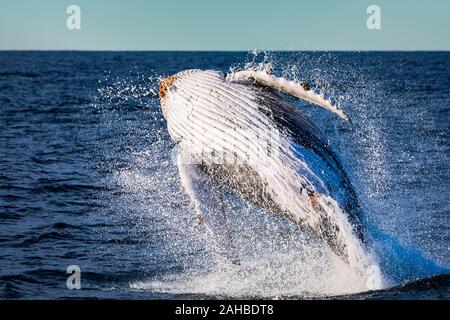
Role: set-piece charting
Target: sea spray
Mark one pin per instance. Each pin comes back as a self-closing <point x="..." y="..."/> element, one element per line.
<point x="398" y="262"/>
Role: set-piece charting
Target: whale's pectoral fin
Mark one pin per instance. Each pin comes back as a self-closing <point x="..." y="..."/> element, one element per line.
<point x="298" y="90"/>
<point x="208" y="201"/>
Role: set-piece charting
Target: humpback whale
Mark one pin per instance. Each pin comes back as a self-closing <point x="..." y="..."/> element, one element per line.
<point x="236" y="130"/>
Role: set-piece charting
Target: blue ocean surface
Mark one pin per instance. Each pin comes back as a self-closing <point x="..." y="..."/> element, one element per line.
<point x="87" y="178"/>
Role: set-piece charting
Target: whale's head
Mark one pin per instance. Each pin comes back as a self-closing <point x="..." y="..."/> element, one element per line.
<point x="168" y="88"/>
<point x="179" y="94"/>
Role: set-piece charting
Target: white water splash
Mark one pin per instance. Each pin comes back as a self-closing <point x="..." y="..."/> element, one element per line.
<point x="304" y="273"/>
<point x="278" y="259"/>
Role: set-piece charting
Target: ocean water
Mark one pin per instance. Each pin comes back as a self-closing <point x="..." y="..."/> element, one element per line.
<point x="87" y="178"/>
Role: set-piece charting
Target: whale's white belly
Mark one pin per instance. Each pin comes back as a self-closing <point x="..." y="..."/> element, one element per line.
<point x="222" y="125"/>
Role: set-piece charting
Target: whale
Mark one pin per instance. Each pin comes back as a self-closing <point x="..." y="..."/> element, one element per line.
<point x="238" y="131"/>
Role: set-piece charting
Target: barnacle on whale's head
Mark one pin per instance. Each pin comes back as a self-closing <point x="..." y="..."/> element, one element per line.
<point x="164" y="84"/>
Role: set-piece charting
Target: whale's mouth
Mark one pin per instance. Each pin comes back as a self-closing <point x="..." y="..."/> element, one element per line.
<point x="164" y="84"/>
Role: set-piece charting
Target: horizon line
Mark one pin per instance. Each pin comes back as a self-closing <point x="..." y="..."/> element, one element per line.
<point x="219" y="50"/>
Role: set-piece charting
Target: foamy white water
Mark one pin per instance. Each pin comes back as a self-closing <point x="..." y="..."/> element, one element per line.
<point x="278" y="258"/>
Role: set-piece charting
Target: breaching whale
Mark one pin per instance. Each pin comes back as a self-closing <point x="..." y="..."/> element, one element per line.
<point x="237" y="130"/>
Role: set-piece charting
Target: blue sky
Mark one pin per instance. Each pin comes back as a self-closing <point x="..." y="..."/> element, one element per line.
<point x="225" y="25"/>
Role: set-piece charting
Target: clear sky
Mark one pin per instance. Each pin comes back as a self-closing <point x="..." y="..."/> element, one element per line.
<point x="225" y="25"/>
